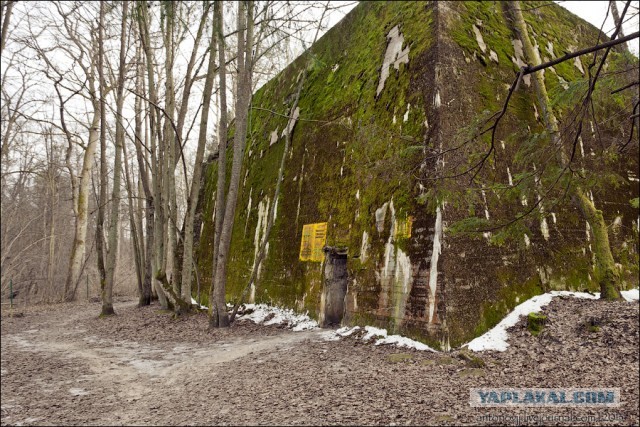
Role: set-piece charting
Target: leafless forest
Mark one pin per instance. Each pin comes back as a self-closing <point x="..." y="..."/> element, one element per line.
<point x="108" y="111"/>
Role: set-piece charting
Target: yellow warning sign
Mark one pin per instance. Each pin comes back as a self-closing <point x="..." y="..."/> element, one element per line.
<point x="403" y="228"/>
<point x="314" y="237"/>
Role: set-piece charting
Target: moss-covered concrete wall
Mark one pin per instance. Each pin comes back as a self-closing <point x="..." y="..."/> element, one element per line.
<point x="361" y="157"/>
<point x="487" y="275"/>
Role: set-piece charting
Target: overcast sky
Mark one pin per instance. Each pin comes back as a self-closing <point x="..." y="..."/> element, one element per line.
<point x="595" y="11"/>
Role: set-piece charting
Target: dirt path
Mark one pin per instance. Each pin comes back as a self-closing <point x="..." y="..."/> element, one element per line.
<point x="62" y="365"/>
<point x="84" y="369"/>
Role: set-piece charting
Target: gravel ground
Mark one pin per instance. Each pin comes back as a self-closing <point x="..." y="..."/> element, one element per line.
<point x="62" y="365"/>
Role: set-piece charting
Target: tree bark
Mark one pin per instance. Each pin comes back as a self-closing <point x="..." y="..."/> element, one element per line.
<point x="243" y="100"/>
<point x="271" y="215"/>
<point x="222" y="163"/>
<point x="146" y="255"/>
<point x="102" y="188"/>
<point x="137" y="238"/>
<point x="107" y="294"/>
<point x="187" y="258"/>
<point x="5" y="24"/>
<point x="81" y="203"/>
<point x="155" y="251"/>
<point x="169" y="189"/>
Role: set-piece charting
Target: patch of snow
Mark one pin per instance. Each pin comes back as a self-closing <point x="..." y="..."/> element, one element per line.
<point x="544" y="228"/>
<point x="400" y="341"/>
<point x="402" y="277"/>
<point x="384" y="338"/>
<point x="550" y="49"/>
<point x="261" y="230"/>
<point x="631" y="295"/>
<point x="277" y="316"/>
<point x="518" y="60"/>
<point x="380" y="215"/>
<point x="194" y="302"/>
<point x="330" y="336"/>
<point x="346" y="331"/>
<point x="496" y="338"/>
<point x="372" y="331"/>
<point x="617" y="222"/>
<point x="578" y="64"/>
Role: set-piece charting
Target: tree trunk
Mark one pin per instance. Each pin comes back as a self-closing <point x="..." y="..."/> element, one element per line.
<point x="220" y="317"/>
<point x="102" y="179"/>
<point x="222" y="162"/>
<point x="5" y="24"/>
<point x="187" y="258"/>
<point x="170" y="136"/>
<point x="155" y="211"/>
<point x="606" y="272"/>
<point x="138" y="251"/>
<point x="81" y="208"/>
<point x="107" y="294"/>
<point x="147" y="256"/>
<point x="271" y="215"/>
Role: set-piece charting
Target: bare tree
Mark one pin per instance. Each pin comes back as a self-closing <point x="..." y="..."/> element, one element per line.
<point x="194" y="193"/>
<point x="107" y="290"/>
<point x="288" y="131"/>
<point x="245" y="25"/>
<point x="222" y="163"/>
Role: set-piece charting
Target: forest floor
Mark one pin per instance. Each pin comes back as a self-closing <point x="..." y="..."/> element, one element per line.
<point x="62" y="365"/>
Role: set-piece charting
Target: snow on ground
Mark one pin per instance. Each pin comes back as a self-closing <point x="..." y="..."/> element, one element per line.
<point x="194" y="302"/>
<point x="631" y="295"/>
<point x="496" y="338"/>
<point x="382" y="337"/>
<point x="268" y="315"/>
